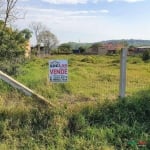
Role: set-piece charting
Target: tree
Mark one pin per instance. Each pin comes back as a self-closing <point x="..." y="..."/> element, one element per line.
<point x="37" y="28"/>
<point x="146" y="55"/>
<point x="82" y="49"/>
<point x="12" y="43"/>
<point x="12" y="48"/>
<point x="64" y="48"/>
<point x="1" y="4"/>
<point x="27" y="34"/>
<point x="96" y="45"/>
<point x="48" y="39"/>
<point x="9" y="12"/>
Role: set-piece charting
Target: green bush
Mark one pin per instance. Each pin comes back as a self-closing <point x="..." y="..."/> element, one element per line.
<point x="76" y="123"/>
<point x="146" y="55"/>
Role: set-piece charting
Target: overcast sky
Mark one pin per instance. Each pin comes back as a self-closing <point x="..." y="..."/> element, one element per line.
<point x="90" y="20"/>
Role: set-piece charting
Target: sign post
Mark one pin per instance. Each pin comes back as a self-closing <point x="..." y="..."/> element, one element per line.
<point x="58" y="71"/>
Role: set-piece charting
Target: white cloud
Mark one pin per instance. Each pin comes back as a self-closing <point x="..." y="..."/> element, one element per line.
<point x="24" y="0"/>
<point x="86" y="1"/>
<point x="104" y="11"/>
<point x="66" y="1"/>
<point x="129" y="1"/>
<point x="65" y="23"/>
<point x="133" y="1"/>
<point x="55" y="12"/>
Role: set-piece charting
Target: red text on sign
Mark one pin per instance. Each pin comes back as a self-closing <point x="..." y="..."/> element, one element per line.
<point x="58" y="71"/>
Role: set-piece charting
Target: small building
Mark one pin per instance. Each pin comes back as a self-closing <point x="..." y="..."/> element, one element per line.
<point x="100" y="50"/>
<point x="105" y="48"/>
<point x="39" y="50"/>
<point x="113" y="48"/>
<point x="141" y="49"/>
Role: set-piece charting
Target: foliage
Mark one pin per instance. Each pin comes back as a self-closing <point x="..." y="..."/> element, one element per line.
<point x="75" y="45"/>
<point x="118" y="122"/>
<point x="12" y="48"/>
<point x="43" y="37"/>
<point x="82" y="119"/>
<point x="131" y="48"/>
<point x="48" y="39"/>
<point x="90" y="77"/>
<point x="96" y="45"/>
<point x="82" y="49"/>
<point x="112" y="125"/>
<point x="36" y="28"/>
<point x="12" y="66"/>
<point x="64" y="48"/>
<point x="12" y="43"/>
<point x="9" y="12"/>
<point x="146" y="55"/>
<point x="26" y="33"/>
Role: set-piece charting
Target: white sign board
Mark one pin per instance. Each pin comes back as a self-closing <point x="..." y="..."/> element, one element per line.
<point x="58" y="70"/>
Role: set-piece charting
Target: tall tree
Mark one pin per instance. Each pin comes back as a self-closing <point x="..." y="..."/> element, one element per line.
<point x="37" y="27"/>
<point x="12" y="43"/>
<point x="48" y="39"/>
<point x="12" y="48"/>
<point x="9" y="11"/>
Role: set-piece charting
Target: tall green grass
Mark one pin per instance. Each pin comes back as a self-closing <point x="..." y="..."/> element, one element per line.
<point x="114" y="123"/>
<point x="88" y="115"/>
<point x="111" y="125"/>
<point x="92" y="78"/>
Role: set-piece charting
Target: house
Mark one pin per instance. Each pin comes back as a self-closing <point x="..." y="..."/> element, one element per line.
<point x="39" y="50"/>
<point x="105" y="48"/>
<point x="137" y="50"/>
<point x="102" y="50"/>
<point x="141" y="49"/>
<point x="97" y="49"/>
<point x="113" y="48"/>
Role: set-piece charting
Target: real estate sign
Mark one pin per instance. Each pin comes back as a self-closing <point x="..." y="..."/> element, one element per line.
<point x="58" y="70"/>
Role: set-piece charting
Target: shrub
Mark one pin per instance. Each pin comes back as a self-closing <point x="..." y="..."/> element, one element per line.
<point x="76" y="123"/>
<point x="146" y="55"/>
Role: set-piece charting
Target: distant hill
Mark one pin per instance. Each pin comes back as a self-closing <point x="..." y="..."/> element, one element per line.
<point x="133" y="42"/>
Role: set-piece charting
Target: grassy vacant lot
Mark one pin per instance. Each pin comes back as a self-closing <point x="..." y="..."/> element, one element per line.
<point x="91" y="78"/>
<point x="93" y="122"/>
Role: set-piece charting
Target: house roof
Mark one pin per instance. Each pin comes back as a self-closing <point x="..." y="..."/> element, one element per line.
<point x="113" y="46"/>
<point x="144" y="47"/>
